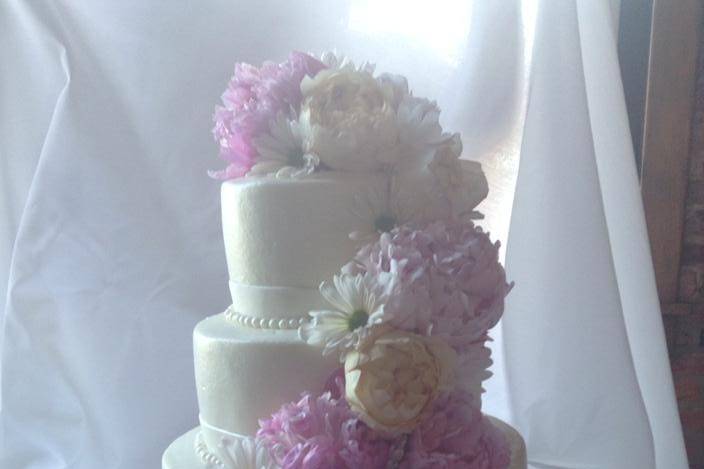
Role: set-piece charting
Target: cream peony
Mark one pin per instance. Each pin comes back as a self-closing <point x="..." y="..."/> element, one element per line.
<point x="393" y="381"/>
<point x="419" y="134"/>
<point x="348" y="118"/>
<point x="461" y="181"/>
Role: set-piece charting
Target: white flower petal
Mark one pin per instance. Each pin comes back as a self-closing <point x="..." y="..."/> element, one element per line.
<point x="264" y="167"/>
<point x="245" y="453"/>
<point x="274" y="150"/>
<point x="332" y="294"/>
<point x="349" y="294"/>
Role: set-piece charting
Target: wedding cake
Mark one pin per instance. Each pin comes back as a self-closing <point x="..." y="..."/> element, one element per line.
<point x="362" y="289"/>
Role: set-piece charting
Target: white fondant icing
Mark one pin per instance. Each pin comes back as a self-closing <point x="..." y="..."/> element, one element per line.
<point x="291" y="233"/>
<point x="270" y="301"/>
<point x="181" y="455"/>
<point x="221" y="431"/>
<point x="519" y="459"/>
<point x="244" y="374"/>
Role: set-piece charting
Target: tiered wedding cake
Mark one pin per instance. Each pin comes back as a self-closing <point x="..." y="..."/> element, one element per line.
<point x="362" y="290"/>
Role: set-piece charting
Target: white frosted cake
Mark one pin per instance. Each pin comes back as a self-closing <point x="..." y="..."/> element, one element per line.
<point x="362" y="291"/>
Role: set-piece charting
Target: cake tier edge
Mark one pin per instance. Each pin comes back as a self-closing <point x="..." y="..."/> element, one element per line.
<point x="185" y="453"/>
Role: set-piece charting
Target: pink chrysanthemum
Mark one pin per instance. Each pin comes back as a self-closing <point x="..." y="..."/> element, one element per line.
<point x="456" y="436"/>
<point x="320" y="432"/>
<point x="444" y="279"/>
<point x="254" y="97"/>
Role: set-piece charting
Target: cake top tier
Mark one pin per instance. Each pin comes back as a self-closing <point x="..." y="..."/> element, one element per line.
<point x="323" y="156"/>
<point x="283" y="237"/>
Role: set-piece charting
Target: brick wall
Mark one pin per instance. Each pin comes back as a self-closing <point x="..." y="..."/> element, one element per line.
<point x="684" y="320"/>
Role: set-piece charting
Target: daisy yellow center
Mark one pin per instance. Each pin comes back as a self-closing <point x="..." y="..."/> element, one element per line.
<point x="384" y="223"/>
<point x="295" y="158"/>
<point x="357" y="319"/>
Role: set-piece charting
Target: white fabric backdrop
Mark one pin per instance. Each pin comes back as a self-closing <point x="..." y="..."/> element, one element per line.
<point x="110" y="230"/>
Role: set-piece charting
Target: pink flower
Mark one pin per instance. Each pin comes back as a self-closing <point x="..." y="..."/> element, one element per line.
<point x="364" y="448"/>
<point x="335" y="383"/>
<point x="473" y="362"/>
<point x="252" y="100"/>
<point x="456" y="436"/>
<point x="320" y="432"/>
<point x="444" y="279"/>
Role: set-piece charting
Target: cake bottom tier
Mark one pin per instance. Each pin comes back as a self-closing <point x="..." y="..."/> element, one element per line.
<point x="189" y="452"/>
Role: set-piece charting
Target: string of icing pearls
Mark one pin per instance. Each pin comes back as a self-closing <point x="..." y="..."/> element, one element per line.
<point x="263" y="323"/>
<point x="208" y="458"/>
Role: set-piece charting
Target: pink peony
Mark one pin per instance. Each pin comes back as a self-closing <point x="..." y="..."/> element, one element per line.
<point x="252" y="100"/>
<point x="364" y="448"/>
<point x="335" y="384"/>
<point x="443" y="279"/>
<point x="456" y="436"/>
<point x="473" y="362"/>
<point x="320" y="432"/>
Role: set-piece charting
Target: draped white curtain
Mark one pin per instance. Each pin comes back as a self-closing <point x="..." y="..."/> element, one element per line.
<point x="110" y="242"/>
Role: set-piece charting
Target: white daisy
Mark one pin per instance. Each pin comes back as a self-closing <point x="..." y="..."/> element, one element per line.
<point x="281" y="151"/>
<point x="245" y="453"/>
<point x="358" y="306"/>
<point x="382" y="209"/>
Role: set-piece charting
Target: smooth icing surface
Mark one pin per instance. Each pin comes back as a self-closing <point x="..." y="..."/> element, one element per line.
<point x="244" y="374"/>
<point x="519" y="458"/>
<point x="187" y="453"/>
<point x="266" y="302"/>
<point x="291" y="232"/>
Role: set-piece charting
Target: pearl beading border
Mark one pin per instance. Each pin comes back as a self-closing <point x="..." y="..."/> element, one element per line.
<point x="206" y="457"/>
<point x="263" y="323"/>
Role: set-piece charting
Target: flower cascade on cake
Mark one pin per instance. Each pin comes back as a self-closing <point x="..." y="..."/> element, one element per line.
<point x="409" y="315"/>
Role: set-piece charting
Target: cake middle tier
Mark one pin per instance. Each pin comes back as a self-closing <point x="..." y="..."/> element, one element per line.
<point x="245" y="374"/>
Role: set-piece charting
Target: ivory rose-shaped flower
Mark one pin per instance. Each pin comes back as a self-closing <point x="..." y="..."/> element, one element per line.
<point x="393" y="381"/>
<point x="419" y="134"/>
<point x="348" y="118"/>
<point x="461" y="181"/>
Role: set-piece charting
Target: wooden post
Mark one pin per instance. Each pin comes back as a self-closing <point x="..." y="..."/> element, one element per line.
<point x="668" y="111"/>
